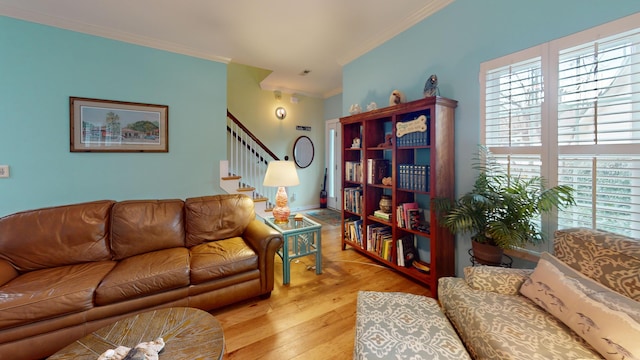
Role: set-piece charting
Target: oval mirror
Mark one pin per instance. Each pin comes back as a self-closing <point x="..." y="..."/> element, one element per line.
<point x="303" y="152"/>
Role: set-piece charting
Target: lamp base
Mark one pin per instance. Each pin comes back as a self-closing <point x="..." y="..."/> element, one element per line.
<point x="281" y="211"/>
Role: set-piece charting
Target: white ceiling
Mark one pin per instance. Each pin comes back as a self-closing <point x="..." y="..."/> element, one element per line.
<point x="282" y="36"/>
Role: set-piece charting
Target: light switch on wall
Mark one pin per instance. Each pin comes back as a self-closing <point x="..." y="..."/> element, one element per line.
<point x="4" y="171"/>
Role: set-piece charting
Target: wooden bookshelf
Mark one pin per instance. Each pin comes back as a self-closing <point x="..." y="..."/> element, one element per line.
<point x="421" y="166"/>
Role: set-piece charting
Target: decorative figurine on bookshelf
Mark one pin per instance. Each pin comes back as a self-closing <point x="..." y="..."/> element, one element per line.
<point x="355" y="144"/>
<point x="355" y="109"/>
<point x="431" y="86"/>
<point x="387" y="181"/>
<point x="372" y="106"/>
<point x="388" y="138"/>
<point x="397" y="97"/>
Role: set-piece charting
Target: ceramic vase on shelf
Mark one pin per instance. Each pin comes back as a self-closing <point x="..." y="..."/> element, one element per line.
<point x="385" y="204"/>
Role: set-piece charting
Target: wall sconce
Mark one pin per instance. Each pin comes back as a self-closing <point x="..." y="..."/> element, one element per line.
<point x="281" y="113"/>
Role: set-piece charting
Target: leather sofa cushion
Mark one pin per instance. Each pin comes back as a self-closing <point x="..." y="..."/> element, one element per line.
<point x="145" y="274"/>
<point x="48" y="293"/>
<point x="223" y="258"/>
<point x="56" y="236"/>
<point x="142" y="226"/>
<point x="217" y="217"/>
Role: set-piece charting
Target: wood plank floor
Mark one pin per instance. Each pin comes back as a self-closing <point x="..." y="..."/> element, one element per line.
<point x="314" y="316"/>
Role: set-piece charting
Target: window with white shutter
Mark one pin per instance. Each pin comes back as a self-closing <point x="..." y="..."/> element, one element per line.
<point x="569" y="110"/>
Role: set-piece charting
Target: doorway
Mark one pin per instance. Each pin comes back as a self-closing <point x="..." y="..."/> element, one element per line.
<point x="333" y="156"/>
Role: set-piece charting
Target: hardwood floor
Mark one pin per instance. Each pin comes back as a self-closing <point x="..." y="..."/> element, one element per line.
<point x="314" y="316"/>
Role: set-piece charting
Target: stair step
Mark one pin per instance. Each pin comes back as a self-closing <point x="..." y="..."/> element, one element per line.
<point x="231" y="177"/>
<point x="246" y="189"/>
<point x="260" y="199"/>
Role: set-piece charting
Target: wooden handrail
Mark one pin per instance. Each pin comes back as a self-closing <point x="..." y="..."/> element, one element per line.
<point x="253" y="137"/>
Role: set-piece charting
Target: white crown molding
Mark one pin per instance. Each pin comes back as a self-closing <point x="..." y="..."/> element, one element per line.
<point x="331" y="93"/>
<point x="270" y="87"/>
<point x="36" y="17"/>
<point x="431" y="8"/>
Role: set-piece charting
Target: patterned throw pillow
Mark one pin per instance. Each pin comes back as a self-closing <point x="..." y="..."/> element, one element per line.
<point x="496" y="279"/>
<point x="607" y="320"/>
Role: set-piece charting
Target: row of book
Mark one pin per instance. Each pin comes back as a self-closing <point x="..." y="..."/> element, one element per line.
<point x="380" y="240"/>
<point x="353" y="230"/>
<point x="414" y="177"/>
<point x="352" y="199"/>
<point x="353" y="171"/>
<point x="408" y="215"/>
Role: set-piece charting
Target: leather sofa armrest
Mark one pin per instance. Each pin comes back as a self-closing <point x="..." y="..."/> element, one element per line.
<point x="265" y="241"/>
<point x="7" y="272"/>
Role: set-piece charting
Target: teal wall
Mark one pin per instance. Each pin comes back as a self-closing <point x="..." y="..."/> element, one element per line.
<point x="41" y="67"/>
<point x="333" y="107"/>
<point x="452" y="43"/>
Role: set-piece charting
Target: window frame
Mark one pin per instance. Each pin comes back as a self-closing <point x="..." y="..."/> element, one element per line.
<point x="549" y="149"/>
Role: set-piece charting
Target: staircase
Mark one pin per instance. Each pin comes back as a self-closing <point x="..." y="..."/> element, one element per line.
<point x="246" y="165"/>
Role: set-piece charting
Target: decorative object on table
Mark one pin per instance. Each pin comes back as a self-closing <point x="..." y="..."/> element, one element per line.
<point x="397" y="97"/>
<point x="118" y="126"/>
<point x="303" y="152"/>
<point x="431" y="86"/>
<point x="355" y="109"/>
<point x="280" y="174"/>
<point x="355" y="144"/>
<point x="501" y="209"/>
<point x="385" y="203"/>
<point x="143" y="351"/>
<point x="372" y="106"/>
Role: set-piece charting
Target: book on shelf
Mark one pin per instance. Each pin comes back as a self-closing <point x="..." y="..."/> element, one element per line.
<point x="353" y="230"/>
<point x="353" y="171"/>
<point x="382" y="215"/>
<point x="421" y="266"/>
<point x="352" y="199"/>
<point x="377" y="169"/>
<point x="414" y="177"/>
<point x="402" y="214"/>
<point x="376" y="236"/>
<point x="413" y="219"/>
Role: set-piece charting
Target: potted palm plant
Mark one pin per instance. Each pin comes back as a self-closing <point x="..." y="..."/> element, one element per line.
<point x="500" y="211"/>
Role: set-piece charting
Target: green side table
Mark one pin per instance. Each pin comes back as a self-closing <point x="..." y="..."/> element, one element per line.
<point x="301" y="238"/>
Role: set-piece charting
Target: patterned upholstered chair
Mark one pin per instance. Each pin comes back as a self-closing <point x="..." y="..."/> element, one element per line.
<point x="580" y="303"/>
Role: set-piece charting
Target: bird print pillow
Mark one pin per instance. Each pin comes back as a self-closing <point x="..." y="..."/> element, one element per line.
<point x="610" y="329"/>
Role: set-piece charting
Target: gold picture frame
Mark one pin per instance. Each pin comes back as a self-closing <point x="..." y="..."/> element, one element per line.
<point x="118" y="126"/>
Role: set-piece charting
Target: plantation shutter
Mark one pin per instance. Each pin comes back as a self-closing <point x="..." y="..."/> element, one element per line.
<point x="513" y="99"/>
<point x="599" y="132"/>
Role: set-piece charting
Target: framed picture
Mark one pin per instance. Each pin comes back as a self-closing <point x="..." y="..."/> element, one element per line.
<point x="118" y="126"/>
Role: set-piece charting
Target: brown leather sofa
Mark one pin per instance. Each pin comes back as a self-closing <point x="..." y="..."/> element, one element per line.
<point x="66" y="271"/>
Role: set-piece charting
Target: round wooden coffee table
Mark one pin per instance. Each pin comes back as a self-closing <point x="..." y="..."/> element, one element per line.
<point x="188" y="334"/>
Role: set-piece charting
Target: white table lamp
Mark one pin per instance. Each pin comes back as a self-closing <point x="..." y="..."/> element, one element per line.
<point x="280" y="174"/>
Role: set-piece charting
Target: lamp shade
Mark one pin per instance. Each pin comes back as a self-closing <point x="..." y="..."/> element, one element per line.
<point x="281" y="173"/>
